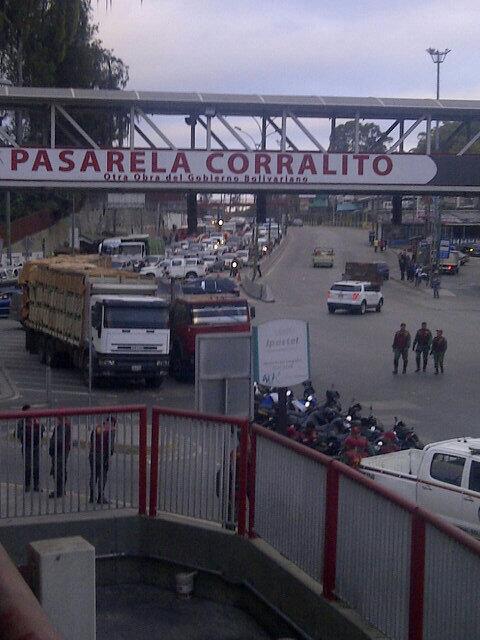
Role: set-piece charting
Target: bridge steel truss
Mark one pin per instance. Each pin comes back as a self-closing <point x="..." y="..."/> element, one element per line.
<point x="209" y="122"/>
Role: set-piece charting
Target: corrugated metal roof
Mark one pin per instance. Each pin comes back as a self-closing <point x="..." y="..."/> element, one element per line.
<point x="245" y="104"/>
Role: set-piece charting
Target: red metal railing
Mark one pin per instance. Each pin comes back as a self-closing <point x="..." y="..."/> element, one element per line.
<point x="207" y="456"/>
<point x="120" y="471"/>
<point x="419" y="520"/>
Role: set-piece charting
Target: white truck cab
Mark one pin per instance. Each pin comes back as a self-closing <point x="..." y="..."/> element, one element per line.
<point x="130" y="336"/>
<point x="444" y="477"/>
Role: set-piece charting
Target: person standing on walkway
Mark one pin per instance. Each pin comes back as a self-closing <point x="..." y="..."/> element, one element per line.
<point x="102" y="441"/>
<point x="29" y="432"/>
<point x="435" y="283"/>
<point x="439" y="347"/>
<point x="402" y="263"/>
<point x="422" y="345"/>
<point x="400" y="346"/>
<point x="59" y="450"/>
<point x="376" y="242"/>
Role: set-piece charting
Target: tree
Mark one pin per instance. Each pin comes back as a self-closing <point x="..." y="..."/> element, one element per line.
<point x="53" y="43"/>
<point x="453" y="137"/>
<point x="343" y="138"/>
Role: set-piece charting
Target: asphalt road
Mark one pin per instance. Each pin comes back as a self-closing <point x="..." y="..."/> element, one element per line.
<point x="23" y="379"/>
<point x="353" y="353"/>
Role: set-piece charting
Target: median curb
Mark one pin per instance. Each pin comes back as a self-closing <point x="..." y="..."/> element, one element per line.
<point x="257" y="290"/>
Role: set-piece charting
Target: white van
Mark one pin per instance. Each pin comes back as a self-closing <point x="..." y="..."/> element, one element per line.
<point x="185" y="268"/>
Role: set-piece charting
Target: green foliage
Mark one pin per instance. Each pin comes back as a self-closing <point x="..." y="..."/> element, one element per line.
<point x="343" y="138"/>
<point x="53" y="43"/>
<point x="452" y="138"/>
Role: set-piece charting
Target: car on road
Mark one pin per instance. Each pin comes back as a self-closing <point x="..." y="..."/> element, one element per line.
<point x="154" y="269"/>
<point x="354" y="296"/>
<point x="210" y="285"/>
<point x="383" y="270"/>
<point x="450" y="265"/>
<point x="5" y="301"/>
<point x="323" y="257"/>
<point x="185" y="268"/>
<point x="297" y="222"/>
<point x="471" y="249"/>
<point x="463" y="258"/>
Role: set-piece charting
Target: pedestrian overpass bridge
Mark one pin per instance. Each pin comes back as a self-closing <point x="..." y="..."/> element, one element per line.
<point x="200" y="142"/>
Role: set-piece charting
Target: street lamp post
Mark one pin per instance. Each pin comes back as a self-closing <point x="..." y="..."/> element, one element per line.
<point x="438" y="57"/>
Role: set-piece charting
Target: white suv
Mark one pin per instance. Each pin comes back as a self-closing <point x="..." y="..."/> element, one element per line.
<point x="354" y="296"/>
<point x="185" y="268"/>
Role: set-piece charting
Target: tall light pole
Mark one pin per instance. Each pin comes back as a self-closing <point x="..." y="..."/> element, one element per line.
<point x="437" y="57"/>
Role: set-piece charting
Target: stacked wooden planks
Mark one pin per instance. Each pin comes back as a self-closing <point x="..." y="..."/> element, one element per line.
<point x="54" y="292"/>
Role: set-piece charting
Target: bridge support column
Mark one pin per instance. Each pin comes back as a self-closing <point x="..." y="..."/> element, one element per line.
<point x="192" y="212"/>
<point x="397" y="210"/>
<point x="261" y="206"/>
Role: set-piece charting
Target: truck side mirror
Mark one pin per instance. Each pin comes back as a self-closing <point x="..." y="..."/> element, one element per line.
<point x="252" y="312"/>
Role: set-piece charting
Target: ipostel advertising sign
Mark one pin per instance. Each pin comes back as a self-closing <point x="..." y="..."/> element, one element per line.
<point x="281" y="353"/>
<point x="213" y="169"/>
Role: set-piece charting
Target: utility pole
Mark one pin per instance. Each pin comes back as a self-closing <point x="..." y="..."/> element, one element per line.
<point x="8" y="214"/>
<point x="72" y="230"/>
<point x="438" y="57"/>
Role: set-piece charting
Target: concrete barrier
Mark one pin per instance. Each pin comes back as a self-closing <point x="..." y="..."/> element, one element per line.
<point x="256" y="290"/>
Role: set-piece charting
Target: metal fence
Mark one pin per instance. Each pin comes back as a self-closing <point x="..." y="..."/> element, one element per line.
<point x="373" y="534"/>
<point x="406" y="571"/>
<point x="72" y="460"/>
<point x="198" y="466"/>
<point x="289" y="504"/>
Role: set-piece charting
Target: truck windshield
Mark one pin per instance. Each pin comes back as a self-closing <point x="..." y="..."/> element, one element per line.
<point x="220" y="314"/>
<point x="124" y="317"/>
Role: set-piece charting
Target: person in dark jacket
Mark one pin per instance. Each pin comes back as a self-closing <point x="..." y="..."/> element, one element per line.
<point x="402" y="263"/>
<point x="400" y="346"/>
<point x="59" y="450"/>
<point x="30" y="432"/>
<point x="102" y="441"/>
<point x="439" y="347"/>
<point x="422" y="345"/>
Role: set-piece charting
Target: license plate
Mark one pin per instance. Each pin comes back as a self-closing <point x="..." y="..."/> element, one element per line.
<point x="136" y="367"/>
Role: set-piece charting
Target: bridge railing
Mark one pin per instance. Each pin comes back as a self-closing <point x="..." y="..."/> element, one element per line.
<point x="406" y="571"/>
<point x="59" y="461"/>
<point x="198" y="467"/>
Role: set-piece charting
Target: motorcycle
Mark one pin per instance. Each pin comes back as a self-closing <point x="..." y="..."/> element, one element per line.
<point x="407" y="437"/>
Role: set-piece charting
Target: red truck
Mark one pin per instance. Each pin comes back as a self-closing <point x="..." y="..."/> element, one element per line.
<point x="194" y="314"/>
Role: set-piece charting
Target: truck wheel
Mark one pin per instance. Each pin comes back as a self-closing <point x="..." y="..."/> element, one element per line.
<point x="31" y="343"/>
<point x="379" y="306"/>
<point x="176" y="364"/>
<point x="363" y="308"/>
<point x="191" y="274"/>
<point x="331" y="308"/>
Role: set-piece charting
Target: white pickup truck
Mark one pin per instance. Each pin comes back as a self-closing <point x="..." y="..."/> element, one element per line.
<point x="444" y="478"/>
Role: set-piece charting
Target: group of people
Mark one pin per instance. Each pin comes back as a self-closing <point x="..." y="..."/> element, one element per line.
<point x="424" y="345"/>
<point x="414" y="272"/>
<point x="376" y="243"/>
<point x="30" y="432"/>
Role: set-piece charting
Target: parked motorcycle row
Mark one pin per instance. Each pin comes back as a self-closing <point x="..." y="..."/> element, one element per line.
<point x="322" y="425"/>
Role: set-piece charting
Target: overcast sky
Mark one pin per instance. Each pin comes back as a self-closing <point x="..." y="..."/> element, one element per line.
<point x="325" y="47"/>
